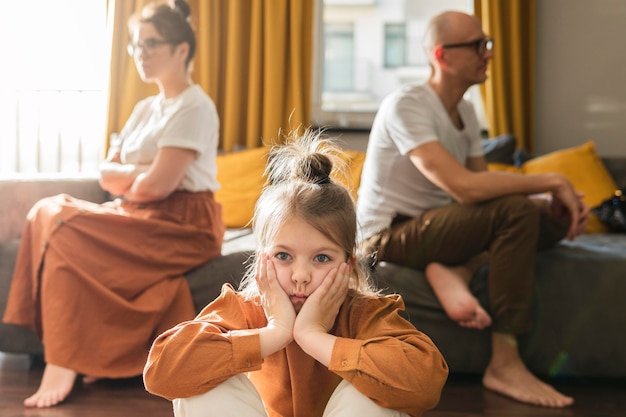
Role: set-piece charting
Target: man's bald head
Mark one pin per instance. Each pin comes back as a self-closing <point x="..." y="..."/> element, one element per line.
<point x="449" y="27"/>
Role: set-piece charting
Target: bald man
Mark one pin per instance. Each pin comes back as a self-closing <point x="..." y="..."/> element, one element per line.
<point x="428" y="202"/>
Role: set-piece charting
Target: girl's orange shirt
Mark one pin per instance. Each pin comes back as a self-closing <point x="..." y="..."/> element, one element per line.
<point x="378" y="351"/>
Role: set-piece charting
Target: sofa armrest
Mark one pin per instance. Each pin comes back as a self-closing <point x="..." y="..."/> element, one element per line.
<point x="20" y="193"/>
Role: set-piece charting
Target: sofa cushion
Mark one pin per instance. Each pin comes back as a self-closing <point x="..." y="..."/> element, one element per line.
<point x="351" y="179"/>
<point x="500" y="149"/>
<point x="582" y="166"/>
<point x="577" y="311"/>
<point x="240" y="175"/>
<point x="205" y="282"/>
<point x="13" y="338"/>
<point x="505" y="168"/>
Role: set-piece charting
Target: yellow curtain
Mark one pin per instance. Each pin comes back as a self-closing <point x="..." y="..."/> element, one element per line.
<point x="253" y="58"/>
<point x="125" y="85"/>
<point x="509" y="91"/>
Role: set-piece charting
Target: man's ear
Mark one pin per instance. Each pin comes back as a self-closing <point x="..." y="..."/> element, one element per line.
<point x="438" y="53"/>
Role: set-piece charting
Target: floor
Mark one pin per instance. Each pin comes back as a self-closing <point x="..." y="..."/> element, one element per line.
<point x="463" y="396"/>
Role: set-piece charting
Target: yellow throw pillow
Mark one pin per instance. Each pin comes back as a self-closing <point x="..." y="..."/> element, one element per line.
<point x="240" y="175"/>
<point x="586" y="171"/>
<point x="351" y="179"/>
<point x="496" y="166"/>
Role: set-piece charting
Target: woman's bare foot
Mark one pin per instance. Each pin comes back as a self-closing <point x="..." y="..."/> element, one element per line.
<point x="451" y="286"/>
<point x="89" y="379"/>
<point x="506" y="374"/>
<point x="56" y="384"/>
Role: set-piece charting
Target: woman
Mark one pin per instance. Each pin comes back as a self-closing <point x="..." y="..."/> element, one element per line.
<point x="97" y="282"/>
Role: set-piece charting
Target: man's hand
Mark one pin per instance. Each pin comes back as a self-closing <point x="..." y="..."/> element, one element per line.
<point x="576" y="212"/>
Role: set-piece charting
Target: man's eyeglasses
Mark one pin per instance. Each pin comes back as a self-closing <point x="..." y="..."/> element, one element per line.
<point x="480" y="45"/>
<point x="148" y="46"/>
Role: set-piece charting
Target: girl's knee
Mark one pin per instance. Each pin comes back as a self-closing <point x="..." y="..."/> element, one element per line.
<point x="235" y="397"/>
<point x="347" y="401"/>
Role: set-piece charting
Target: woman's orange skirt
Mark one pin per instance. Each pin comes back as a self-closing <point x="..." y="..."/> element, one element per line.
<point x="97" y="282"/>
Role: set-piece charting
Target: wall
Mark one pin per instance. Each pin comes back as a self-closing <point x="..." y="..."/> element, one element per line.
<point x="581" y="75"/>
<point x="580" y="88"/>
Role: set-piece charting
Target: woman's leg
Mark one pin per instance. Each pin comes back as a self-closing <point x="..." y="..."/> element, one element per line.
<point x="347" y="401"/>
<point x="235" y="397"/>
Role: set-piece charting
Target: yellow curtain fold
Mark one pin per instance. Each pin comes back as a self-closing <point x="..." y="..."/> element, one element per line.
<point x="253" y="59"/>
<point x="125" y="85"/>
<point x="509" y="91"/>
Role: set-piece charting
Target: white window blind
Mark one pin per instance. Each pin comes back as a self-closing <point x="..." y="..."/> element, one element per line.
<point x="53" y="83"/>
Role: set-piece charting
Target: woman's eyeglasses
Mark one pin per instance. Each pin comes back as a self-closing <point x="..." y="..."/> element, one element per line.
<point x="148" y="46"/>
<point x="480" y="45"/>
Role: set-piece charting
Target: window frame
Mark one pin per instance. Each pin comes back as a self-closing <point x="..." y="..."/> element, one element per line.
<point x="333" y="115"/>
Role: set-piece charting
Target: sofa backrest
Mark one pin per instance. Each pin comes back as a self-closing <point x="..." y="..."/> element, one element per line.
<point x="617" y="168"/>
<point x="19" y="194"/>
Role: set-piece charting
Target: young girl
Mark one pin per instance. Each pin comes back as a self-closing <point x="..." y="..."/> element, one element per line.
<point x="306" y="335"/>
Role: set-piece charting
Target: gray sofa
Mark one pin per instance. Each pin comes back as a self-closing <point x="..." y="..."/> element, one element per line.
<point x="580" y="291"/>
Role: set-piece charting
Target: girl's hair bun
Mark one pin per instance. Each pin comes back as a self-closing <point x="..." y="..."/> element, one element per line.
<point x="308" y="157"/>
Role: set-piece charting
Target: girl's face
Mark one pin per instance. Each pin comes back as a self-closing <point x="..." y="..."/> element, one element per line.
<point x="302" y="257"/>
<point x="154" y="56"/>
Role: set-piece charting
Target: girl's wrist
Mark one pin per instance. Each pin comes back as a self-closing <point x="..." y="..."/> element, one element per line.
<point x="274" y="338"/>
<point x="305" y="335"/>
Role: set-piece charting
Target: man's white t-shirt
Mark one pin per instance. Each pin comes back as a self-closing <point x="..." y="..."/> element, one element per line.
<point x="187" y="121"/>
<point x="390" y="183"/>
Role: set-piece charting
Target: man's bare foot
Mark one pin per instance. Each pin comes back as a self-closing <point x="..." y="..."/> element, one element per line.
<point x="451" y="286"/>
<point x="506" y="374"/>
<point x="56" y="384"/>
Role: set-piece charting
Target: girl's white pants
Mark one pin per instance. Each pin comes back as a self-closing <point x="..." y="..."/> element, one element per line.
<point x="238" y="397"/>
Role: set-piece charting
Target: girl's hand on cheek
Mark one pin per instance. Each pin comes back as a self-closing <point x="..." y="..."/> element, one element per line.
<point x="320" y="310"/>
<point x="276" y="303"/>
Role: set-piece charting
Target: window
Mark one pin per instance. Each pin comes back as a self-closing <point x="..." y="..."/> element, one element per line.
<point x="395" y="45"/>
<point x="338" y="58"/>
<point x="53" y="83"/>
<point x="368" y="48"/>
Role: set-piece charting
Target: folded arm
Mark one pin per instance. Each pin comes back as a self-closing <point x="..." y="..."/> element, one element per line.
<point x="145" y="183"/>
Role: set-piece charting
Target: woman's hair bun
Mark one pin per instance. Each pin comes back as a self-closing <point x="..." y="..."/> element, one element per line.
<point x="182" y="7"/>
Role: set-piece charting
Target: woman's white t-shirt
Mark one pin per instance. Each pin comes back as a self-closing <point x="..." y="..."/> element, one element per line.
<point x="187" y="121"/>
